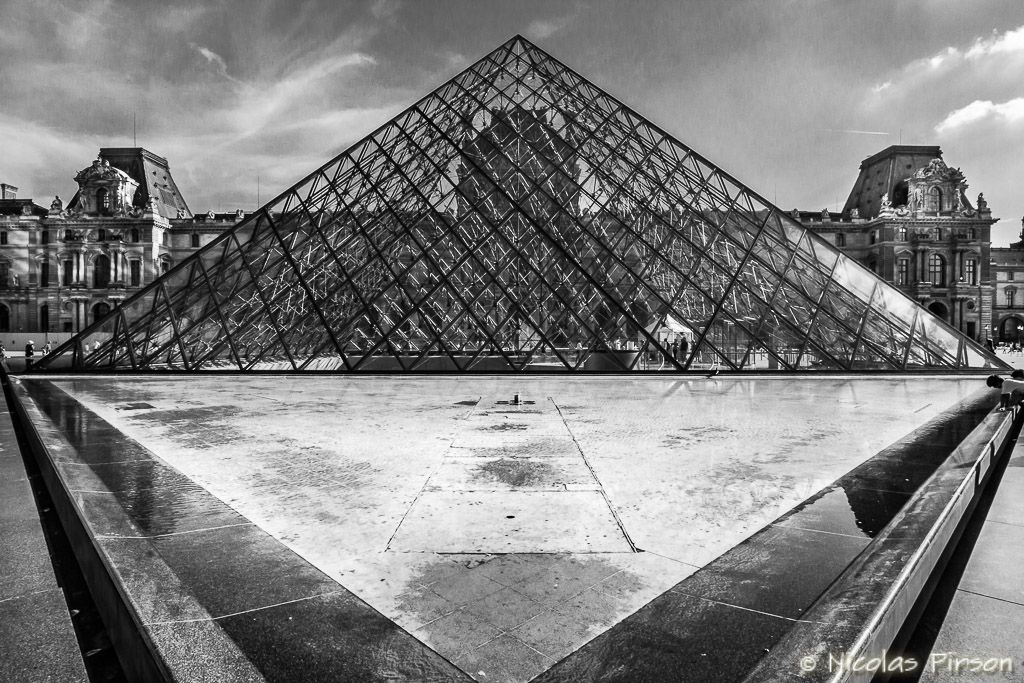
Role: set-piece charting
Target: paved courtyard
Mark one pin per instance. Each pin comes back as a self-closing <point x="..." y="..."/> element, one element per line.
<point x="506" y="535"/>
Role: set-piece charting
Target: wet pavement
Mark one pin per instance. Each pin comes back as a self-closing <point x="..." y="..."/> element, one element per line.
<point x="502" y="536"/>
<point x="36" y="631"/>
<point x="981" y="633"/>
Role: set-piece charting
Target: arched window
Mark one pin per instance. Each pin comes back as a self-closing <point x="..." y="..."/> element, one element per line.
<point x="101" y="272"/>
<point x="102" y="200"/>
<point x="937" y="270"/>
<point x="970" y="272"/>
<point x="936" y="199"/>
<point x="99" y="310"/>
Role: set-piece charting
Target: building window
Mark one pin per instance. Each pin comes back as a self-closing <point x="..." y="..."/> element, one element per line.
<point x="901" y="233"/>
<point x="3" y="237"/>
<point x="45" y="239"/>
<point x="44" y="274"/>
<point x="69" y="271"/>
<point x="165" y="266"/>
<point x="936" y="199"/>
<point x="5" y="274"/>
<point x="101" y="272"/>
<point x="1009" y="297"/>
<point x="872" y="237"/>
<point x="5" y="319"/>
<point x="971" y="272"/>
<point x="101" y="235"/>
<point x="903" y="271"/>
<point x="840" y="239"/>
<point x="135" y="235"/>
<point x="1009" y="276"/>
<point x="195" y="240"/>
<point x="136" y="267"/>
<point x="102" y="200"/>
<point x="937" y="270"/>
<point x="44" y="317"/>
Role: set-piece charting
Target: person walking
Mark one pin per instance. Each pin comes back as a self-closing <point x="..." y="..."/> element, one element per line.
<point x="684" y="346"/>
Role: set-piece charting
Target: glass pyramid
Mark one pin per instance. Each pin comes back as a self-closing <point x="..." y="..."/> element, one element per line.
<point x="518" y="218"/>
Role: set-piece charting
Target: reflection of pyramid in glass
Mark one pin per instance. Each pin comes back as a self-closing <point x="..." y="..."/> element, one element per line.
<point x="518" y="218"/>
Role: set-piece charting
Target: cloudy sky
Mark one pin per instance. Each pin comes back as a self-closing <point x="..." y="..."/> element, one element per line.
<point x="787" y="95"/>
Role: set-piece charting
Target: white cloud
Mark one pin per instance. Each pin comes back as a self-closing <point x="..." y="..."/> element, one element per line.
<point x="984" y="58"/>
<point x="215" y="59"/>
<point x="539" y="29"/>
<point x="1011" y="42"/>
<point x="1010" y="111"/>
<point x="261" y="104"/>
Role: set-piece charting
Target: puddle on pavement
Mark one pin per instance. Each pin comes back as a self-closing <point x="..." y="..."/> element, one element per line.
<point x="515" y="472"/>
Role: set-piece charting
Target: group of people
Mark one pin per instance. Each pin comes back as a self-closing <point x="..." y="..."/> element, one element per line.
<point x="1011" y="391"/>
<point x="30" y="352"/>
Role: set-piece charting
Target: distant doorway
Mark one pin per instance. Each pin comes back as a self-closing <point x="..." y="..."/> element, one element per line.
<point x="99" y="311"/>
<point x="1010" y="329"/>
<point x="939" y="309"/>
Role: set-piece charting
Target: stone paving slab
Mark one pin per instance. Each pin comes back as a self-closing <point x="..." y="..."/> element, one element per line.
<point x="510" y="522"/>
<point x="985" y="620"/>
<point x="37" y="638"/>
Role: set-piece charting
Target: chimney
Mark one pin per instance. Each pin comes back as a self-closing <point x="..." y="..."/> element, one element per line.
<point x="8" y="191"/>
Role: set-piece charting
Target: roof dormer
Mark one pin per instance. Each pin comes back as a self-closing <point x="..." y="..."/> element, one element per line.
<point x="104" y="190"/>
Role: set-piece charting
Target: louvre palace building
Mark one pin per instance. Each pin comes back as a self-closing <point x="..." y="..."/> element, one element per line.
<point x="908" y="219"/>
<point x="64" y="265"/>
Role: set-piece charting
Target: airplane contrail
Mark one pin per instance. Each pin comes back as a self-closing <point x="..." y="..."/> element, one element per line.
<point x="856" y="132"/>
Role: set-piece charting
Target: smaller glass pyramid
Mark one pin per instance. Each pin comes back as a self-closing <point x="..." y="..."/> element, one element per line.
<point x="518" y="218"/>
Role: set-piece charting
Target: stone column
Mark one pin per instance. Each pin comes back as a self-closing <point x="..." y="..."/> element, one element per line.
<point x="113" y="268"/>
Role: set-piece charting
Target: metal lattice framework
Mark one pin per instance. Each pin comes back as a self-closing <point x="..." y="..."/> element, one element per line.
<point x="518" y="218"/>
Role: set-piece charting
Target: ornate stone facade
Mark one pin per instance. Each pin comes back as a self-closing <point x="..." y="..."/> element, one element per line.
<point x="62" y="267"/>
<point x="1008" y="295"/>
<point x="909" y="220"/>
